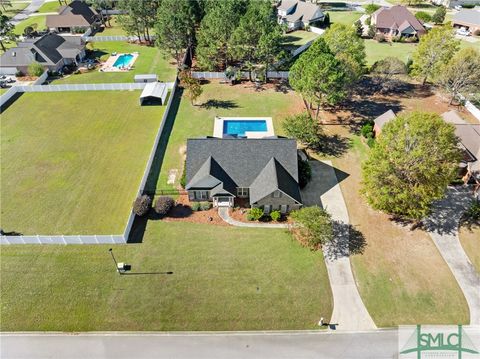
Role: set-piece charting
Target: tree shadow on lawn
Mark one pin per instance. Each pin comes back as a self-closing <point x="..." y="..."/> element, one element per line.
<point x="347" y="241"/>
<point x="333" y="145"/>
<point x="225" y="104"/>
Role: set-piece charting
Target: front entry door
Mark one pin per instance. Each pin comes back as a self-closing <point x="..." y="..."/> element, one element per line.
<point x="221" y="201"/>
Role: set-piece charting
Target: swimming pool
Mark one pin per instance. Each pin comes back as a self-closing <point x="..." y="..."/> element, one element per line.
<point x="240" y="127"/>
<point x="123" y="60"/>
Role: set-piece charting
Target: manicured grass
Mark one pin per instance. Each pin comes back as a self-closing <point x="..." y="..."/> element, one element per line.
<point x="470" y="239"/>
<point x="344" y="17"/>
<point x="379" y="50"/>
<point x="401" y="276"/>
<point x="225" y="100"/>
<point x="150" y="60"/>
<point x="298" y="38"/>
<point x="37" y="22"/>
<point x="72" y="161"/>
<point x="473" y="45"/>
<point x="113" y="30"/>
<point x="13" y="10"/>
<point x="49" y="7"/>
<point x="224" y="278"/>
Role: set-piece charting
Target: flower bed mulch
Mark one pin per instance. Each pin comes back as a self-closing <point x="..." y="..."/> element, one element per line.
<point x="183" y="212"/>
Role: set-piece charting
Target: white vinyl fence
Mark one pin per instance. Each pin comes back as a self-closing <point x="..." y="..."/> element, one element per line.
<point x="8" y="95"/>
<point x="473" y="109"/>
<point x="317" y="30"/>
<point x="41" y="79"/>
<point x="83" y="87"/>
<point x="87" y="239"/>
<point x="221" y="75"/>
<point x="100" y="38"/>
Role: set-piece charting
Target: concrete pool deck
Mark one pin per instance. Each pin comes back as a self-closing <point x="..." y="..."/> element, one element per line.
<point x="107" y="66"/>
<point x="219" y="126"/>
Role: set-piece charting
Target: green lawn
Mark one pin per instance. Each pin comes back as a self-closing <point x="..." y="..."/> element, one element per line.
<point x="72" y="161"/>
<point x="150" y="60"/>
<point x="298" y="38"/>
<point x="470" y="239"/>
<point x="197" y="121"/>
<point x="49" y="7"/>
<point x="344" y="17"/>
<point x="113" y="30"/>
<point x="37" y="22"/>
<point x="224" y="278"/>
<point x="473" y="45"/>
<point x="379" y="50"/>
<point x="13" y="10"/>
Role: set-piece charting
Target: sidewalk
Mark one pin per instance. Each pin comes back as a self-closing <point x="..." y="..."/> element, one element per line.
<point x="25" y="13"/>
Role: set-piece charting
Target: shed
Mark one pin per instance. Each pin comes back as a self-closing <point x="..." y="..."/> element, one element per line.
<point x="145" y="78"/>
<point x="381" y="120"/>
<point x="154" y="93"/>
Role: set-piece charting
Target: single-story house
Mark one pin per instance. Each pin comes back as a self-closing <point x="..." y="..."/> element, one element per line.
<point x="75" y="17"/>
<point x="467" y="18"/>
<point x="51" y="50"/>
<point x="298" y="14"/>
<point x="396" y="21"/>
<point x="469" y="135"/>
<point x="261" y="172"/>
<point x="382" y="120"/>
<point x="154" y="93"/>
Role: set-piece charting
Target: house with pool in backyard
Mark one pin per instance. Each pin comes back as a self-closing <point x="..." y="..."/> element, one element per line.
<point x="244" y="164"/>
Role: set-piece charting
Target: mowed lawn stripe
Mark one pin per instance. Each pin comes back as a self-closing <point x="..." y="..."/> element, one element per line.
<point x="72" y="163"/>
<point x="223" y="279"/>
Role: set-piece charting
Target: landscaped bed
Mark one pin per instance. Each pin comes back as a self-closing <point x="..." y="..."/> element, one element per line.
<point x="72" y="163"/>
<point x="150" y="61"/>
<point x="228" y="279"/>
<point x="224" y="101"/>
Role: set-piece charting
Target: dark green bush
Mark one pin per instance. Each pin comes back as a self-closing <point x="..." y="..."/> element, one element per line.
<point x="304" y="173"/>
<point x="163" y="204"/>
<point x="371" y="142"/>
<point x="423" y="16"/>
<point x="367" y="130"/>
<point x="196" y="206"/>
<point x="205" y="206"/>
<point x="473" y="212"/>
<point x="275" y="215"/>
<point x="371" y="8"/>
<point x="254" y="214"/>
<point x="183" y="179"/>
<point x="142" y="205"/>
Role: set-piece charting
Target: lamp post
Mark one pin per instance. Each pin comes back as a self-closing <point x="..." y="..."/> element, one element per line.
<point x="114" y="260"/>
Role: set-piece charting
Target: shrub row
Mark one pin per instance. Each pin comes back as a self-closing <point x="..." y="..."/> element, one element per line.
<point x="255" y="214"/>
<point x="142" y="205"/>
<point x="201" y="206"/>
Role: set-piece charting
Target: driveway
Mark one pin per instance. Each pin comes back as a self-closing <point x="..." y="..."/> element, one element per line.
<point x="349" y="312"/>
<point x="25" y="13"/>
<point x="442" y="226"/>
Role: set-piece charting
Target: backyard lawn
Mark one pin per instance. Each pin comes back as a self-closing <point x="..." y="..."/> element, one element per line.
<point x="13" y="10"/>
<point x="379" y="50"/>
<point x="295" y="39"/>
<point x="223" y="279"/>
<point x="72" y="163"/>
<point x="150" y="60"/>
<point x="113" y="30"/>
<point x="51" y="6"/>
<point x="221" y="100"/>
<point x="344" y="17"/>
<point x="470" y="239"/>
<point x="37" y="22"/>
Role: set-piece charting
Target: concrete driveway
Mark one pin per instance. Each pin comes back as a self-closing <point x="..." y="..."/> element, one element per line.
<point x="349" y="312"/>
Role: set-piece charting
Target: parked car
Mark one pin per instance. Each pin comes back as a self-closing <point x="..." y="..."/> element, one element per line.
<point x="463" y="32"/>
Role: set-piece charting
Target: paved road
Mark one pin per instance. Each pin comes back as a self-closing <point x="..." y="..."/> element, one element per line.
<point x="25" y="13"/>
<point x="298" y="345"/>
<point x="443" y="228"/>
<point x="349" y="312"/>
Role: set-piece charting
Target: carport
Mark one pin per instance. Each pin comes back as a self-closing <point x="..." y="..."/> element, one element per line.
<point x="154" y="93"/>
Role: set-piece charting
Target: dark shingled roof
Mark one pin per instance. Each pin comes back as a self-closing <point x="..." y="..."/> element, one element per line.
<point x="397" y="17"/>
<point x="267" y="164"/>
<point x="274" y="177"/>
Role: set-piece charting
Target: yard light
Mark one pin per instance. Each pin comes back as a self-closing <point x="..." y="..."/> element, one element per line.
<point x="120" y="267"/>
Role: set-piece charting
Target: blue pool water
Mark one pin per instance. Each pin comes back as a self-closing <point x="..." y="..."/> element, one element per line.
<point x="239" y="127"/>
<point x="123" y="60"/>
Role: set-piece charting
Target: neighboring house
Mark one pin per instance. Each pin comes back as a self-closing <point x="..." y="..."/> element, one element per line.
<point x="298" y="14"/>
<point x="51" y="50"/>
<point x="396" y="21"/>
<point x="262" y="172"/>
<point x="453" y="3"/>
<point x="382" y="120"/>
<point x="469" y="135"/>
<point x="77" y="17"/>
<point x="467" y="18"/>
